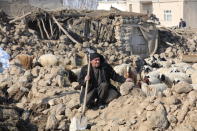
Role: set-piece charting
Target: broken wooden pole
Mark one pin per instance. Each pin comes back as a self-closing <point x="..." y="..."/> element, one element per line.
<point x="65" y="32"/>
<point x="41" y="32"/>
<point x="19" y="18"/>
<point x="51" y="27"/>
<point x="45" y="30"/>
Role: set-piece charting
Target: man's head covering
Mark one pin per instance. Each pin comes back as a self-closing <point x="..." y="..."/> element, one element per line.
<point x="94" y="55"/>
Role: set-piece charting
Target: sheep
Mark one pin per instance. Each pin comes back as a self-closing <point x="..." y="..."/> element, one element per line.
<point x="190" y="71"/>
<point x="153" y="89"/>
<point x="153" y="80"/>
<point x="145" y="70"/>
<point x="25" y="60"/>
<point x="138" y="63"/>
<point x="178" y="77"/>
<point x="165" y="64"/>
<point x="182" y="67"/>
<point x="168" y="76"/>
<point x="127" y="71"/>
<point x="48" y="60"/>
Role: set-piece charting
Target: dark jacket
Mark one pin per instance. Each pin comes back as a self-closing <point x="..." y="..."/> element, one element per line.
<point x="182" y="24"/>
<point x="107" y="74"/>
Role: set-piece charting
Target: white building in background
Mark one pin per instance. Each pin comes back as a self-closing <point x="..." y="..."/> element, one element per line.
<point x="169" y="12"/>
<point x="107" y="4"/>
<point x="81" y="4"/>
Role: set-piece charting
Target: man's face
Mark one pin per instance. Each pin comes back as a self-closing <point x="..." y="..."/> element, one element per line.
<point x="95" y="62"/>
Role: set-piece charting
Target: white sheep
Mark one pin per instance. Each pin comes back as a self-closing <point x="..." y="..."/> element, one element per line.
<point x="145" y="70"/>
<point x="190" y="71"/>
<point x="121" y="69"/>
<point x="153" y="89"/>
<point x="178" y="77"/>
<point x="127" y="71"/>
<point x="48" y="60"/>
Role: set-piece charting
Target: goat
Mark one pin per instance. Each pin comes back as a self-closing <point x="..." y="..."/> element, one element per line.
<point x="25" y="60"/>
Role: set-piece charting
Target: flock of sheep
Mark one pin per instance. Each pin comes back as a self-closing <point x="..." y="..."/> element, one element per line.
<point x="153" y="75"/>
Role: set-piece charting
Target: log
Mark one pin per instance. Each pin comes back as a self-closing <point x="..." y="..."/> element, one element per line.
<point x="189" y="58"/>
<point x="19" y="18"/>
<point x="65" y="32"/>
<point x="41" y="33"/>
<point x="51" y="27"/>
<point x="45" y="30"/>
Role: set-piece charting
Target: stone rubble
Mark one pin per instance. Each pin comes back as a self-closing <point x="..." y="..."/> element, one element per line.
<point x="44" y="98"/>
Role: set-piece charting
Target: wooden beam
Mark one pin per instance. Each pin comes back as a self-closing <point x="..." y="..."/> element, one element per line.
<point x="41" y="32"/>
<point x="19" y="18"/>
<point x="65" y="32"/>
<point x="189" y="58"/>
<point x="45" y="30"/>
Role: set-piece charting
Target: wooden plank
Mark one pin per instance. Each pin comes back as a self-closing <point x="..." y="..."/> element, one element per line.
<point x="189" y="58"/>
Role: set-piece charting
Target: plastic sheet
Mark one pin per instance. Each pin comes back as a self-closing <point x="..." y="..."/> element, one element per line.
<point x="4" y="60"/>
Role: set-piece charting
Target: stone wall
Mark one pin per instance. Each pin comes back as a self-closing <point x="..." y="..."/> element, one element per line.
<point x="129" y="35"/>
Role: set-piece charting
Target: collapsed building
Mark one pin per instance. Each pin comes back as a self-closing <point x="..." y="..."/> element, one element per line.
<point x="136" y="35"/>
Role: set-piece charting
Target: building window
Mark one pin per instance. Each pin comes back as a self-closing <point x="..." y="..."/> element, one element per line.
<point x="167" y="15"/>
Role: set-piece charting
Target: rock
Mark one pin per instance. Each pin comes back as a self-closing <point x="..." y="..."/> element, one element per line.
<point x="51" y="102"/>
<point x="51" y="122"/>
<point x="25" y="115"/>
<point x="59" y="109"/>
<point x="123" y="128"/>
<point x="184" y="128"/>
<point x="145" y="126"/>
<point x="10" y="113"/>
<point x="192" y="97"/>
<point x="194" y="66"/>
<point x="167" y="92"/>
<point x="60" y="81"/>
<point x="126" y="87"/>
<point x="93" y="114"/>
<point x="150" y="108"/>
<point x="133" y="122"/>
<point x="62" y="126"/>
<point x="35" y="71"/>
<point x="182" y="87"/>
<point x="14" y="70"/>
<point x="172" y="100"/>
<point x="172" y="119"/>
<point x="158" y="118"/>
<point x="194" y="77"/>
<point x="183" y="112"/>
<point x="86" y="44"/>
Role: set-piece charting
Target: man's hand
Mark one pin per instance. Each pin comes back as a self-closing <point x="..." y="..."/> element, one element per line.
<point x="129" y="80"/>
<point x="87" y="78"/>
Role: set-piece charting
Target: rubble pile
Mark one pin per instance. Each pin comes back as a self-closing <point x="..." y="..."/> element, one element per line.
<point x="44" y="98"/>
<point x="178" y="41"/>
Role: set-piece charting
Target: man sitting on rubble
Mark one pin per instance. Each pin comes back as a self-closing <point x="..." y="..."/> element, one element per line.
<point x="100" y="90"/>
